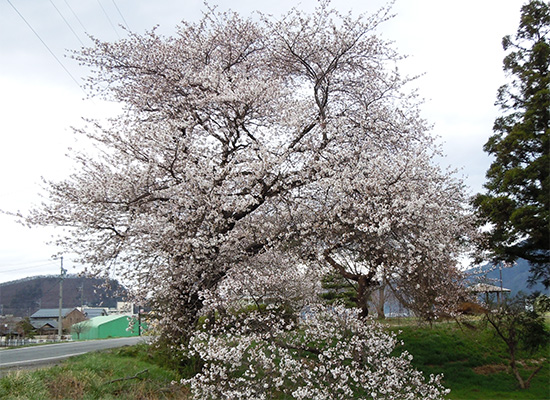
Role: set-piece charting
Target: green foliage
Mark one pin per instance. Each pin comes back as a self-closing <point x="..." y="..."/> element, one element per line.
<point x="21" y="385"/>
<point x="534" y="331"/>
<point x="474" y="363"/>
<point x="517" y="201"/>
<point x="24" y="326"/>
<point x="126" y="373"/>
<point x="519" y="325"/>
<point x="520" y="322"/>
<point x="169" y="355"/>
<point x="540" y="303"/>
<point x="337" y="289"/>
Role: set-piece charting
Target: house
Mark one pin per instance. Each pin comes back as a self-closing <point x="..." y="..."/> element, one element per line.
<point x="46" y="320"/>
<point x="92" y="312"/>
<point x="45" y="327"/>
<point x="9" y="325"/>
<point x="110" y="326"/>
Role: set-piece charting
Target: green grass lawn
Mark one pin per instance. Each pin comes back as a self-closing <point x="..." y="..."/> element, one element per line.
<point x="473" y="361"/>
<point x="125" y="373"/>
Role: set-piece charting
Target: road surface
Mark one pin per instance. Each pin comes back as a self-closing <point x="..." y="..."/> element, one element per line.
<point x="25" y="357"/>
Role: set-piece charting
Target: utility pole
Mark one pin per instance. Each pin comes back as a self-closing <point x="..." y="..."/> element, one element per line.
<point x="60" y="321"/>
<point x="81" y="290"/>
<point x="501" y="291"/>
<point x="139" y="320"/>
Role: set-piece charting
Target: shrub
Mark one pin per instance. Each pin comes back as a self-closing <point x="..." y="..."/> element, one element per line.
<point x="329" y="353"/>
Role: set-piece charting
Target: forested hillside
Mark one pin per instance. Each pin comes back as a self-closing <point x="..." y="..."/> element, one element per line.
<point x="23" y="297"/>
<point x="513" y="278"/>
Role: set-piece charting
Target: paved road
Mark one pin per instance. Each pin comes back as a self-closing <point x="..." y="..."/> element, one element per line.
<point x="51" y="353"/>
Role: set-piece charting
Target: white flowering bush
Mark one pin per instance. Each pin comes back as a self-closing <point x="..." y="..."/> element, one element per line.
<point x="326" y="353"/>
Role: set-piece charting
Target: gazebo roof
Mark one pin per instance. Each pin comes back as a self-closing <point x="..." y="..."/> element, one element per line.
<point x="486" y="288"/>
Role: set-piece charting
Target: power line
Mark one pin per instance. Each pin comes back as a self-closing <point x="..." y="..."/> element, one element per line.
<point x="121" y="16"/>
<point x="76" y="16"/>
<point x="109" y="19"/>
<point x="27" y="268"/>
<point x="45" y="45"/>
<point x="40" y="262"/>
<point x="66" y="22"/>
<point x="54" y="284"/>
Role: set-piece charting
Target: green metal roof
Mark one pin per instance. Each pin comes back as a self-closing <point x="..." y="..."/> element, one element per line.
<point x="96" y="321"/>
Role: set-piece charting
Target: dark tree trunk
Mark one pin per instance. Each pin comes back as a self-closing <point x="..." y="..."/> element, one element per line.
<point x="363" y="295"/>
<point x="364" y="283"/>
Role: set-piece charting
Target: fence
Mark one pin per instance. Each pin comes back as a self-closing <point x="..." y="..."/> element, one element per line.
<point x="16" y="342"/>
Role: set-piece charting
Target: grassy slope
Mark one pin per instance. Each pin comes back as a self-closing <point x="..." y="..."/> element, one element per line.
<point x="474" y="362"/>
<point x="101" y="375"/>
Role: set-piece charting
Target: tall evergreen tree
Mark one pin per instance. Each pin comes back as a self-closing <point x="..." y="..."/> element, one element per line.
<point x="516" y="202"/>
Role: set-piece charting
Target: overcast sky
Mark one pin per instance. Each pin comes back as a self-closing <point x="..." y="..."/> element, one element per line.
<point x="455" y="44"/>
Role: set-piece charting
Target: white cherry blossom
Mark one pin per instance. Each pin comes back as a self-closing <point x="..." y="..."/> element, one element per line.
<point x="252" y="147"/>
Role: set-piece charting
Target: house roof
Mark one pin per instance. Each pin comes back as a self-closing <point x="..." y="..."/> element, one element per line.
<point x="43" y="323"/>
<point x="94" y="312"/>
<point x="51" y="312"/>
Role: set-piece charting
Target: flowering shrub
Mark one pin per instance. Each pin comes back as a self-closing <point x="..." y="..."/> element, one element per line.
<point x="328" y="353"/>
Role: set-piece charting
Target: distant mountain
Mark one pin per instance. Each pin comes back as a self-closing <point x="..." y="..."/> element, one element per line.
<point x="23" y="297"/>
<point x="513" y="278"/>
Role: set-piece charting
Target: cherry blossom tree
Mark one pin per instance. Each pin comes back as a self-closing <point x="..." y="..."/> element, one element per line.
<point x="269" y="278"/>
<point x="389" y="213"/>
<point x="431" y="293"/>
<point x="247" y="143"/>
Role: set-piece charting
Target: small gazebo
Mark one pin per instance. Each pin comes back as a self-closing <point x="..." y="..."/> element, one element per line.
<point x="488" y="289"/>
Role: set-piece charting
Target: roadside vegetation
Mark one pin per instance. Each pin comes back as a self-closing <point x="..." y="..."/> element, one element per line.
<point x="472" y="359"/>
<point x="126" y="373"/>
